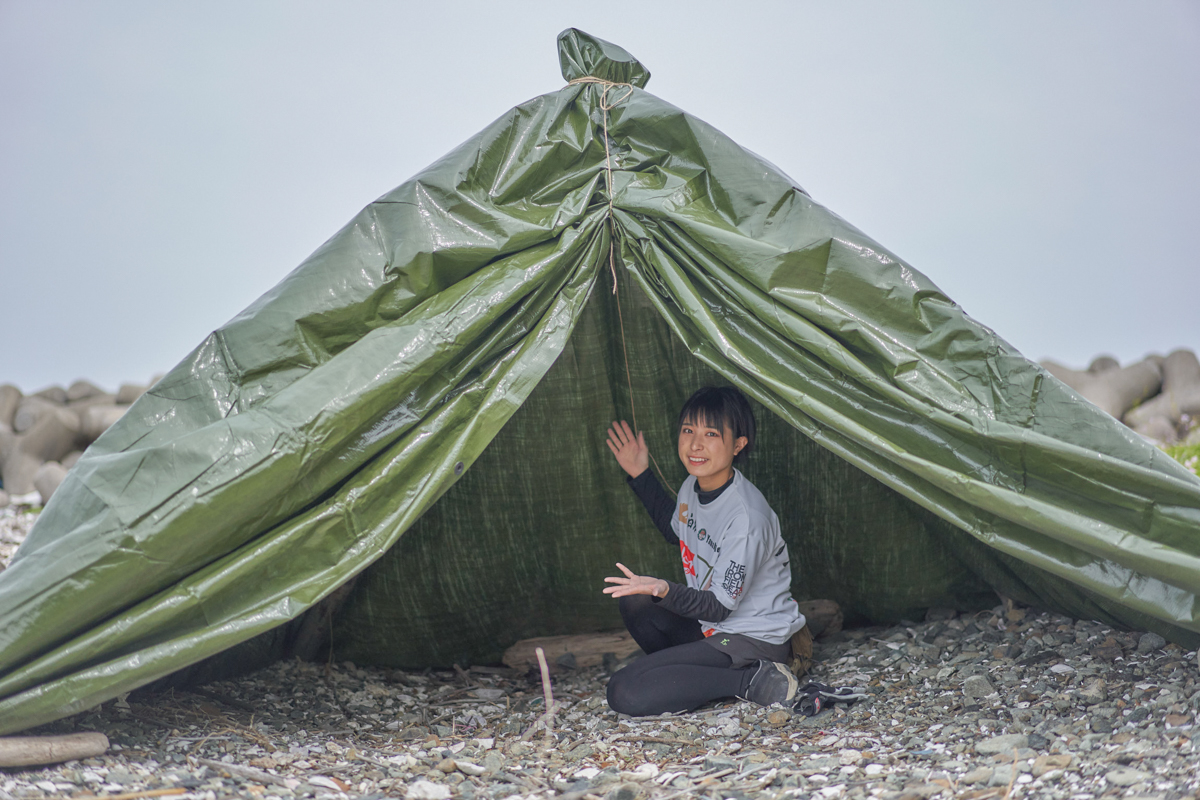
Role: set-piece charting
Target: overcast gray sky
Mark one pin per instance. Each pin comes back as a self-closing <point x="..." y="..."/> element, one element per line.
<point x="164" y="164"/>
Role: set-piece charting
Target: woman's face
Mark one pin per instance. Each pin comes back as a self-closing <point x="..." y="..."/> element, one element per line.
<point x="708" y="452"/>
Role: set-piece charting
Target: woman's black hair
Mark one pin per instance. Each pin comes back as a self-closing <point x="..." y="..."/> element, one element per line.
<point x="721" y="407"/>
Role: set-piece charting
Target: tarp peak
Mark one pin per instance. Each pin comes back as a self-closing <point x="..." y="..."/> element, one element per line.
<point x="583" y="55"/>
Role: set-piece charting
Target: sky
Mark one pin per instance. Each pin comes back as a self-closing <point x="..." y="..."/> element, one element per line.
<point x="164" y="164"/>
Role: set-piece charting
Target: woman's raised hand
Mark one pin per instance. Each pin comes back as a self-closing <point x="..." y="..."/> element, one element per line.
<point x="635" y="584"/>
<point x="631" y="451"/>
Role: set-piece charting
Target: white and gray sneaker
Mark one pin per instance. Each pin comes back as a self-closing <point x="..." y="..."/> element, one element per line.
<point x="771" y="683"/>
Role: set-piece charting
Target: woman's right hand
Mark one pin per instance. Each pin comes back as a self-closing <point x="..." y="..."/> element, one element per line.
<point x="631" y="451"/>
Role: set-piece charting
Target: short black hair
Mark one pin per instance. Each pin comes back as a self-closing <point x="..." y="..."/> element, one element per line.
<point x="721" y="407"/>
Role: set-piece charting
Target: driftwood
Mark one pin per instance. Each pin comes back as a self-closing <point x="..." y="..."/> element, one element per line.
<point x="587" y="648"/>
<point x="25" y="751"/>
<point x="1112" y="388"/>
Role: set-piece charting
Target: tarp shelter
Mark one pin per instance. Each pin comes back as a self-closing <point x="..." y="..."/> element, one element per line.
<point x="422" y="404"/>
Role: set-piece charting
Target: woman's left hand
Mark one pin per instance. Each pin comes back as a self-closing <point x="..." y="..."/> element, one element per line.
<point x="635" y="584"/>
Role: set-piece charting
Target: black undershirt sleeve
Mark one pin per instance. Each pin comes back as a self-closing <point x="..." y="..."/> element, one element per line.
<point x="693" y="603"/>
<point x="658" y="503"/>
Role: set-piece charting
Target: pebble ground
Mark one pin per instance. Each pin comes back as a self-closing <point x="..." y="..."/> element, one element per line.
<point x="1007" y="703"/>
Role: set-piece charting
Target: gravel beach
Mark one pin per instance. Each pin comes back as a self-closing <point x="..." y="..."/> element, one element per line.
<point x="1005" y="703"/>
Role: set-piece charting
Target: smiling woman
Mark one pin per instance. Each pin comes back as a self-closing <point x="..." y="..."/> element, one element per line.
<point x="727" y="632"/>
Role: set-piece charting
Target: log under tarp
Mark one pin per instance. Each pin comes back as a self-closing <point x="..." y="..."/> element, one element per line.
<point x="421" y="406"/>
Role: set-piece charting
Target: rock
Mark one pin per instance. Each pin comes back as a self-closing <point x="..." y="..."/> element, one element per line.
<point x="18" y="471"/>
<point x="1100" y="724"/>
<point x="1158" y="429"/>
<point x="82" y="390"/>
<point x="447" y="765"/>
<point x="97" y="419"/>
<point x="1094" y="692"/>
<point x="1126" y="777"/>
<point x="977" y="687"/>
<point x="55" y="394"/>
<point x="719" y="762"/>
<point x="52" y="436"/>
<point x="426" y="790"/>
<point x="467" y="768"/>
<point x="29" y="411"/>
<point x="1149" y="642"/>
<point x="1002" y="744"/>
<point x="48" y="478"/>
<point x="1180" y="392"/>
<point x="129" y="392"/>
<point x="10" y="398"/>
<point x="625" y="791"/>
<point x="70" y="459"/>
<point x="1108" y="650"/>
<point x="645" y="772"/>
<point x="779" y="717"/>
<point x="1043" y="764"/>
<point x="980" y="775"/>
<point x="1114" y="390"/>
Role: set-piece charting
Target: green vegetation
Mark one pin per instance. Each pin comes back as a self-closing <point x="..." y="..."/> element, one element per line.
<point x="1186" y="454"/>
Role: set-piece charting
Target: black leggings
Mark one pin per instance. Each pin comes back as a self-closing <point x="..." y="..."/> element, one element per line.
<point x="681" y="671"/>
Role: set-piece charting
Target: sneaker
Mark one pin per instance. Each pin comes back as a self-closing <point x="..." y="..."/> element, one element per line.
<point x="771" y="683"/>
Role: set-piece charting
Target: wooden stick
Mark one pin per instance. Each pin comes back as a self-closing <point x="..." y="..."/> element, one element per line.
<point x="249" y="773"/>
<point x="546" y="693"/>
<point x="24" y="751"/>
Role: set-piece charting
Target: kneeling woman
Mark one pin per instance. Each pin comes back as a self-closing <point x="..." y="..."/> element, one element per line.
<point x="728" y="631"/>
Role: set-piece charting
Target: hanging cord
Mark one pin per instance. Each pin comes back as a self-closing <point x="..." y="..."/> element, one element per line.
<point x="605" y="106"/>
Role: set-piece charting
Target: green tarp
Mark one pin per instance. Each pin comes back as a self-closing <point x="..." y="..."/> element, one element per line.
<point x="445" y="366"/>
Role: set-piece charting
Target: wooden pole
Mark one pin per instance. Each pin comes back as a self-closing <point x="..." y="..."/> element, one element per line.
<point x="24" y="751"/>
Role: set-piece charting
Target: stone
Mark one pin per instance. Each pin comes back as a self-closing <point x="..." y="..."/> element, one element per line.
<point x="447" y="765"/>
<point x="18" y="471"/>
<point x="70" y="459"/>
<point x="718" y="762"/>
<point x="1126" y="777"/>
<point x="426" y="790"/>
<point x="1094" y="692"/>
<point x="82" y="390"/>
<point x="129" y="392"/>
<point x="51" y="436"/>
<point x="48" y="478"/>
<point x="29" y="411"/>
<point x="1108" y="650"/>
<point x="10" y="398"/>
<point x="624" y="791"/>
<point x="1002" y="744"/>
<point x="779" y="717"/>
<point x="97" y="419"/>
<point x="980" y="775"/>
<point x="467" y="768"/>
<point x="1043" y="764"/>
<point x="55" y="394"/>
<point x="1149" y="642"/>
<point x="977" y="687"/>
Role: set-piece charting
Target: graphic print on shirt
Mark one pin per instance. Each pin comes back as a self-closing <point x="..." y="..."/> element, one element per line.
<point x="703" y="581"/>
<point x="735" y="579"/>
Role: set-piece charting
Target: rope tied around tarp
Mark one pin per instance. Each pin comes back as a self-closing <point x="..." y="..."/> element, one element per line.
<point x="605" y="106"/>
